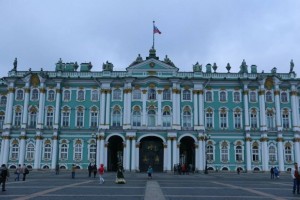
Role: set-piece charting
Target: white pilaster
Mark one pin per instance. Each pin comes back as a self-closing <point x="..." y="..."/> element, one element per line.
<point x="25" y="107"/>
<point x="246" y="107"/>
<point x="169" y="156"/>
<point x="40" y="120"/>
<point x="277" y="108"/>
<point x="200" y="152"/>
<point x="102" y="108"/>
<point x="137" y="160"/>
<point x="38" y="151"/>
<point x="248" y="152"/>
<point x="262" y="108"/>
<point x="107" y="111"/>
<point x="265" y="152"/>
<point x="133" y="151"/>
<point x="57" y="106"/>
<point x="294" y="107"/>
<point x="22" y="147"/>
<point x="105" y="154"/>
<point x="127" y="166"/>
<point x="201" y="110"/>
<point x="280" y="152"/>
<point x="174" y="151"/>
<point x="165" y="157"/>
<point x="159" y="108"/>
<point x="144" y="98"/>
<point x="297" y="148"/>
<point x="100" y="152"/>
<point x="54" y="150"/>
<point x="195" y="99"/>
<point x="6" y="146"/>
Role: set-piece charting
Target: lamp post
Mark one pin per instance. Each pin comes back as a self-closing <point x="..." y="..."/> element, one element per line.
<point x="206" y="137"/>
<point x="94" y="136"/>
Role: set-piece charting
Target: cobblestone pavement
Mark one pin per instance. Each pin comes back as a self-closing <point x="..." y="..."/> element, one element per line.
<point x="41" y="185"/>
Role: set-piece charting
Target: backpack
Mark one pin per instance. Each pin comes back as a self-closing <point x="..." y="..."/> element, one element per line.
<point x="26" y="171"/>
<point x="3" y="173"/>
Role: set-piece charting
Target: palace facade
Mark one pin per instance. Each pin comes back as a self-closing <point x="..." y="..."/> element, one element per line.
<point x="150" y="114"/>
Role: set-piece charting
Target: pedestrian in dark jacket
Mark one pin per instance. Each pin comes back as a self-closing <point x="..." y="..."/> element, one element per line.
<point x="4" y="174"/>
<point x="90" y="169"/>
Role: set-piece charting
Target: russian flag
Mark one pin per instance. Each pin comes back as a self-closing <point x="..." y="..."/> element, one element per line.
<point x="155" y="30"/>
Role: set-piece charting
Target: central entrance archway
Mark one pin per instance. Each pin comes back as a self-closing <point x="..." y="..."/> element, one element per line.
<point x="151" y="153"/>
<point x="114" y="153"/>
<point x="187" y="152"/>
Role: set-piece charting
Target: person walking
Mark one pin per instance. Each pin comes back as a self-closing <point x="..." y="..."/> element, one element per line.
<point x="18" y="172"/>
<point x="150" y="171"/>
<point x="94" y="168"/>
<point x="101" y="172"/>
<point x="296" y="178"/>
<point x="276" y="172"/>
<point x="73" y="171"/>
<point x="4" y="174"/>
<point x="90" y="169"/>
<point x="25" y="171"/>
<point x="57" y="169"/>
<point x="272" y="172"/>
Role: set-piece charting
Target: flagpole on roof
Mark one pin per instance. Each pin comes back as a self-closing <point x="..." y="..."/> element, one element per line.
<point x="153" y="34"/>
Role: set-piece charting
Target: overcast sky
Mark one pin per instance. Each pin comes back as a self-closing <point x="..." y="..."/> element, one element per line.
<point x="263" y="32"/>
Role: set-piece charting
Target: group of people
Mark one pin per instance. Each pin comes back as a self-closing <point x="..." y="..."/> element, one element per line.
<point x="92" y="169"/>
<point x="274" y="172"/>
<point x="182" y="168"/>
<point x="4" y="174"/>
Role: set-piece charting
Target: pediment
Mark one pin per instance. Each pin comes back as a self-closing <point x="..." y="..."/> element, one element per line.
<point x="152" y="65"/>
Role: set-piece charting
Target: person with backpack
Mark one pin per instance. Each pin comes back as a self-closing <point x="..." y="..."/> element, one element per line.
<point x="4" y="174"/>
<point x="18" y="172"/>
<point x="25" y="171"/>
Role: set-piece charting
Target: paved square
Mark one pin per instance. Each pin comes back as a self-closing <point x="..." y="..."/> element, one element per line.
<point x="47" y="185"/>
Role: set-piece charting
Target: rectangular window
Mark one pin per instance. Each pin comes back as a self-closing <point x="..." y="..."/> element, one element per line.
<point x="66" y="119"/>
<point x="79" y="119"/>
<point x="94" y="119"/>
<point x="18" y="119"/>
<point x="209" y="120"/>
<point x="223" y="120"/>
<point x="237" y="120"/>
<point x="49" y="119"/>
<point x="1" y="121"/>
<point x="285" y="121"/>
<point x="253" y="120"/>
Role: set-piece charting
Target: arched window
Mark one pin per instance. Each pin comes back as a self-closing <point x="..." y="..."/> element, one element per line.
<point x="270" y="120"/>
<point x="64" y="151"/>
<point x="186" y="94"/>
<point x="49" y="117"/>
<point x="224" y="152"/>
<point x="166" y="118"/>
<point x="255" y="153"/>
<point x="92" y="154"/>
<point x="51" y="95"/>
<point x="210" y="153"/>
<point x="151" y="117"/>
<point x="116" y="117"/>
<point x="288" y="153"/>
<point x="67" y="95"/>
<point x="136" y="117"/>
<point x="269" y="97"/>
<point x="95" y="95"/>
<point x="151" y="94"/>
<point x="47" y="150"/>
<point x="80" y="95"/>
<point x="78" y="151"/>
<point x="94" y="117"/>
<point x="223" y="96"/>
<point x="272" y="154"/>
<point x="239" y="153"/>
<point x="252" y="96"/>
<point x="3" y="101"/>
<point x="2" y="117"/>
<point x="187" y="117"/>
<point x="32" y="117"/>
<point x="66" y="117"/>
<point x="30" y="152"/>
<point x="284" y="97"/>
<point x="34" y="94"/>
<point x="236" y="97"/>
<point x="18" y="116"/>
<point x="79" y="117"/>
<point x="253" y="119"/>
<point x="208" y="96"/>
<point x="117" y="94"/>
<point x="167" y="94"/>
<point x="20" y="95"/>
<point x="15" y="150"/>
<point x="136" y="94"/>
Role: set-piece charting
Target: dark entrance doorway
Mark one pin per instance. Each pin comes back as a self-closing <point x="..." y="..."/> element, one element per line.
<point x="151" y="153"/>
<point x="187" y="152"/>
<point x="114" y="153"/>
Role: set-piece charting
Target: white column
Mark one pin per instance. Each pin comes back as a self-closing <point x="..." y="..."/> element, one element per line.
<point x="178" y="110"/>
<point x="137" y="160"/>
<point x="246" y="108"/>
<point x="9" y="106"/>
<point x="38" y="150"/>
<point x="200" y="152"/>
<point x="196" y="156"/>
<point x="25" y="107"/>
<point x="57" y="106"/>
<point x="174" y="151"/>
<point x="169" y="158"/>
<point x="159" y="108"/>
<point x="174" y="107"/>
<point x="248" y="152"/>
<point x="201" y="110"/>
<point x="280" y="152"/>
<point x="40" y="120"/>
<point x="127" y="166"/>
<point x="101" y="150"/>
<point x="297" y="148"/>
<point x="125" y="107"/>
<point x="204" y="143"/>
<point x="128" y="116"/>
<point x="265" y="152"/>
<point x="22" y="147"/>
<point x="144" y="98"/>
<point x="294" y="107"/>
<point x="102" y="108"/>
<point x="54" y="150"/>
<point x="2" y="150"/>
<point x="277" y="108"/>
<point x="262" y="108"/>
<point x="195" y="110"/>
<point x="133" y="151"/>
<point x="6" y="148"/>
<point x="165" y="157"/>
<point x="105" y="154"/>
<point x="107" y="112"/>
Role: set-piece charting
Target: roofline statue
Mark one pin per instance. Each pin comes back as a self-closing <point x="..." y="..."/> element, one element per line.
<point x="15" y="64"/>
